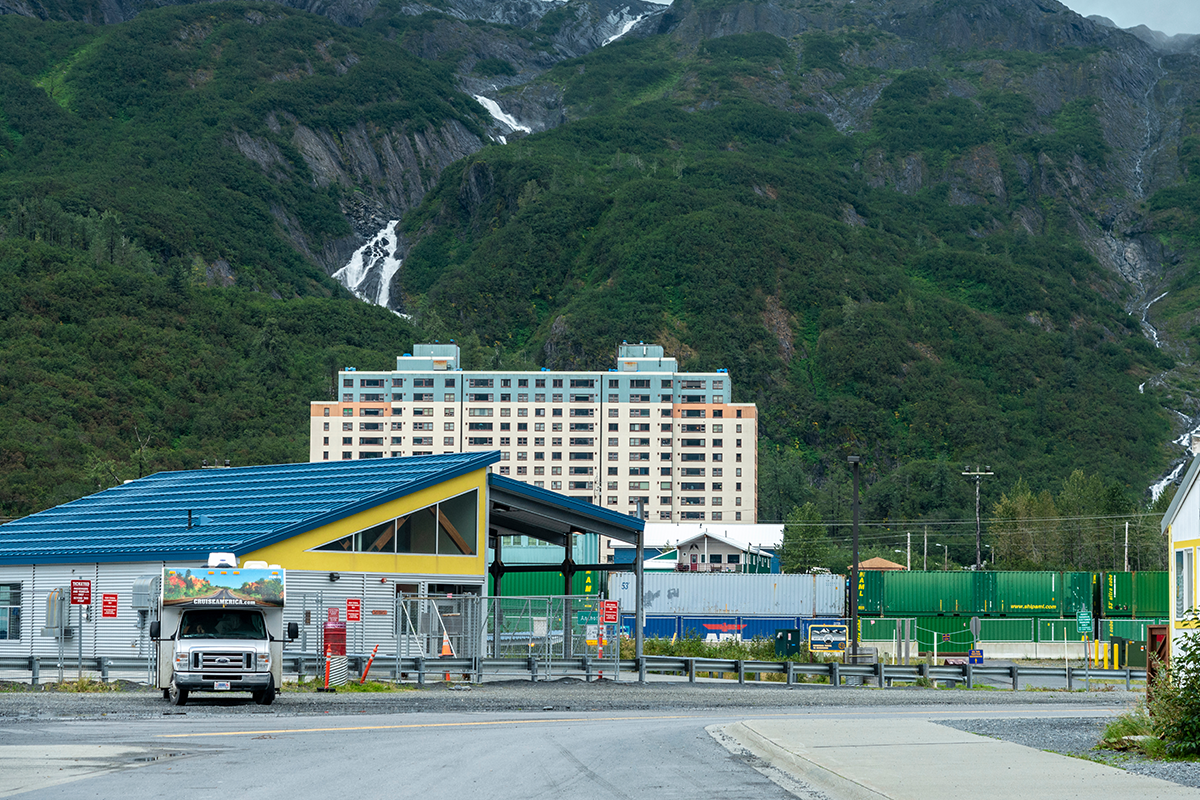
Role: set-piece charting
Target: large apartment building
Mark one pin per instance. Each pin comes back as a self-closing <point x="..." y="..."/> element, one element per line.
<point x="643" y="431"/>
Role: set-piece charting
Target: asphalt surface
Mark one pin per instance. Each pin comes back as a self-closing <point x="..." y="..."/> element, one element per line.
<point x="525" y="739"/>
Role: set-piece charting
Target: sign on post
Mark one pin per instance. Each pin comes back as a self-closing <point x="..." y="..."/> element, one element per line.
<point x="587" y="617"/>
<point x="81" y="592"/>
<point x="827" y="638"/>
<point x="975" y="657"/>
<point x="609" y="612"/>
<point x="1083" y="622"/>
<point x="108" y="605"/>
<point x="353" y="610"/>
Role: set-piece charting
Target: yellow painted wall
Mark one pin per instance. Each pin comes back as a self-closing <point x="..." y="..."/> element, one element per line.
<point x="294" y="553"/>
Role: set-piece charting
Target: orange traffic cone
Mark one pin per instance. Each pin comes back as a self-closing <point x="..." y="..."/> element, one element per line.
<point x="446" y="651"/>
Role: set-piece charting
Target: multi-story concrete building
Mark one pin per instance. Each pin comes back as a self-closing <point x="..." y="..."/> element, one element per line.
<point x="643" y="431"/>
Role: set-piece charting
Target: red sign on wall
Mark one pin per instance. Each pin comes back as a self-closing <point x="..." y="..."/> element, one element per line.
<point x="331" y="616"/>
<point x="108" y="602"/>
<point x="81" y="593"/>
<point x="353" y="610"/>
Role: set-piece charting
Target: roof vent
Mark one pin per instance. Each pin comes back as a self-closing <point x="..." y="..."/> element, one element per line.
<point x="222" y="560"/>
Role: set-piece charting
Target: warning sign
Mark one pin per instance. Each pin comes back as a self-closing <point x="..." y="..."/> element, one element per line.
<point x="609" y="612"/>
<point x="108" y="605"/>
<point x="353" y="610"/>
<point x="81" y="593"/>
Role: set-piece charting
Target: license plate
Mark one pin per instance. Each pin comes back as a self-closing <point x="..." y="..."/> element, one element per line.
<point x="221" y="686"/>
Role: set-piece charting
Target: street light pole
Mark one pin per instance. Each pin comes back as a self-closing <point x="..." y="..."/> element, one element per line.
<point x="854" y="462"/>
<point x="978" y="475"/>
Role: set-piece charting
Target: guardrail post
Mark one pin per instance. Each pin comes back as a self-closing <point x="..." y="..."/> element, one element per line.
<point x="35" y="670"/>
<point x="420" y="670"/>
<point x="791" y="676"/>
<point x="641" y="662"/>
<point x="1015" y="678"/>
<point x="741" y="671"/>
<point x="533" y="668"/>
<point x="879" y="672"/>
<point x="923" y="670"/>
<point x="104" y="670"/>
<point x="587" y="667"/>
<point x="835" y="676"/>
<point x="691" y="670"/>
<point x="969" y="672"/>
<point x="1127" y="677"/>
<point x="1070" y="680"/>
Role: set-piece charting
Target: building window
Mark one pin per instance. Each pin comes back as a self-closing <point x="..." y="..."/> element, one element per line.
<point x="347" y="441"/>
<point x="449" y="527"/>
<point x="664" y="515"/>
<point x="612" y="500"/>
<point x="504" y="470"/>
<point x="10" y="611"/>
<point x="737" y="501"/>
<point x="326" y="426"/>
<point x="325" y="456"/>
<point x="737" y="516"/>
<point x="447" y="441"/>
<point x="716" y="515"/>
<point x="326" y="414"/>
<point x="1185" y="590"/>
<point x="347" y="456"/>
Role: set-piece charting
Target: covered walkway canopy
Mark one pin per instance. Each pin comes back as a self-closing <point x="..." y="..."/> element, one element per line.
<point x="518" y="509"/>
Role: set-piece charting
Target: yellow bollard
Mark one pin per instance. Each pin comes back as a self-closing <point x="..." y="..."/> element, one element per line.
<point x="1106" y="655"/>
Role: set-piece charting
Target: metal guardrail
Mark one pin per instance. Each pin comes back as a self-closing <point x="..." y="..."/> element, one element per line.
<point x="424" y="669"/>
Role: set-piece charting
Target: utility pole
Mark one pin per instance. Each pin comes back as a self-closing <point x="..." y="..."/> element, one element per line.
<point x="908" y="566"/>
<point x="925" y="558"/>
<point x="1127" y="545"/>
<point x="978" y="475"/>
<point x="854" y="462"/>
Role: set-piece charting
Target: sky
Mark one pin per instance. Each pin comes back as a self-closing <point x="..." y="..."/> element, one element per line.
<point x="1168" y="16"/>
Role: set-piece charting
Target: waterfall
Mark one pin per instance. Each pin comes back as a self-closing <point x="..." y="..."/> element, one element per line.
<point x="369" y="272"/>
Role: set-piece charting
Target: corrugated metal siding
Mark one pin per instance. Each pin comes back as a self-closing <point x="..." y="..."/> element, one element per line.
<point x="1117" y="599"/>
<point x="46" y="578"/>
<point x="1151" y="594"/>
<point x="119" y="636"/>
<point x="1034" y="594"/>
<point x="921" y="593"/>
<point x="733" y="594"/>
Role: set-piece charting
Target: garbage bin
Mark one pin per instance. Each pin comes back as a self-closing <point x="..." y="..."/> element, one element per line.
<point x="334" y="638"/>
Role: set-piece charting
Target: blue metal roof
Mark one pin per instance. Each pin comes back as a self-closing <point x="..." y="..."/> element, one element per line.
<point x="235" y="510"/>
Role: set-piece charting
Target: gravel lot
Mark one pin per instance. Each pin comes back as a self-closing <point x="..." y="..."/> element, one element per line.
<point x="1077" y="737"/>
<point x="560" y="695"/>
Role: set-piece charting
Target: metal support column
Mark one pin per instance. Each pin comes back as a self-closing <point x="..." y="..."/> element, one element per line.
<point x="639" y="612"/>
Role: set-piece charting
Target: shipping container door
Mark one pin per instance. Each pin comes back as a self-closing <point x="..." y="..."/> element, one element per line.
<point x="986" y="600"/>
<point x="1118" y="594"/>
<point x="1151" y="594"/>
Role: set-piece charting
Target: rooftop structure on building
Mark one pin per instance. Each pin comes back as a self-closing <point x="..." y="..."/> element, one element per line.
<point x="640" y="432"/>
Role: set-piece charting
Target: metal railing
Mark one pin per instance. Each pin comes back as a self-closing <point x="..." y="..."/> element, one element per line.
<point x="534" y="668"/>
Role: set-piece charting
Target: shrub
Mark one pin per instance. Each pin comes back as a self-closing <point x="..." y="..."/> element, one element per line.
<point x="1175" y="704"/>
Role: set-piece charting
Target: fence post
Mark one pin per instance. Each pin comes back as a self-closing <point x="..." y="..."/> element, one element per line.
<point x="835" y="676"/>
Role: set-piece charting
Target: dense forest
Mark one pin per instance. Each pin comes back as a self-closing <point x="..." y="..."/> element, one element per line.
<point x="882" y="240"/>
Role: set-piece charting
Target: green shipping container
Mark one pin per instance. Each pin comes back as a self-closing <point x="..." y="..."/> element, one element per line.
<point x="1151" y="594"/>
<point x="1079" y="591"/>
<point x="916" y="594"/>
<point x="541" y="584"/>
<point x="1118" y="595"/>
<point x="870" y="592"/>
<point x="1030" y="594"/>
<point x="1057" y="630"/>
<point x="1133" y="629"/>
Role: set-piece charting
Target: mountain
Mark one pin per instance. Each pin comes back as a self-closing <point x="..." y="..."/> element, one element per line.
<point x="929" y="232"/>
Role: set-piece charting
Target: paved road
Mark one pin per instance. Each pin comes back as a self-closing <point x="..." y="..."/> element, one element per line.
<point x="662" y="754"/>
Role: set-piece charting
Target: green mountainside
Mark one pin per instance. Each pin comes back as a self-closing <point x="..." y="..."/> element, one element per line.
<point x="920" y="245"/>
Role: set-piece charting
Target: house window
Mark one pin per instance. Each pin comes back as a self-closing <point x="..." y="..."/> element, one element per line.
<point x="1185" y="596"/>
<point x="10" y="611"/>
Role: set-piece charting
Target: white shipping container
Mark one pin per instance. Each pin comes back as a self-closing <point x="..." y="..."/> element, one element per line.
<point x="733" y="593"/>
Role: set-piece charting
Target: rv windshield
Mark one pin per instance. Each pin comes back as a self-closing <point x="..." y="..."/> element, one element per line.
<point x="223" y="623"/>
